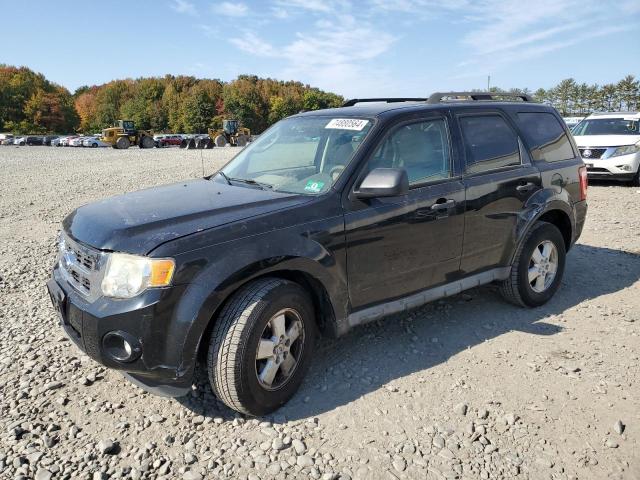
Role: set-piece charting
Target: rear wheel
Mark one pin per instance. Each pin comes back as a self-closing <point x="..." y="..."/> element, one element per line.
<point x="537" y="271"/>
<point x="261" y="346"/>
<point x="242" y="140"/>
<point x="220" y="140"/>
<point x="122" y="143"/>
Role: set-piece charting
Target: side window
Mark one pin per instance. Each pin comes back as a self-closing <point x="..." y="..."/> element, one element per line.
<point x="545" y="135"/>
<point x="422" y="149"/>
<point x="489" y="143"/>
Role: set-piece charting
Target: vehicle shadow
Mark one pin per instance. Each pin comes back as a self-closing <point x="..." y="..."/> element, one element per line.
<point x="374" y="355"/>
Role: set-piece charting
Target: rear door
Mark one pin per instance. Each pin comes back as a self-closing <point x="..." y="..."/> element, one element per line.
<point x="400" y="245"/>
<point x="499" y="178"/>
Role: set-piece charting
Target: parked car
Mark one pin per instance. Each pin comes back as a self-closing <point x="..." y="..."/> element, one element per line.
<point x="610" y="146"/>
<point x="49" y="138"/>
<point x="77" y="141"/>
<point x="331" y="219"/>
<point x="169" y="140"/>
<point x="5" y="138"/>
<point x="20" y="141"/>
<point x="157" y="138"/>
<point x="64" y="141"/>
<point x="34" y="140"/>
<point x="94" y="142"/>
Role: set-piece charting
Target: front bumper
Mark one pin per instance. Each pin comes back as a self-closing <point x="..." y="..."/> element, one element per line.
<point x="621" y="168"/>
<point x="154" y="363"/>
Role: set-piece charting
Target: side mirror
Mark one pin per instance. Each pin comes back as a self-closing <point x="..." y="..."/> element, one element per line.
<point x="384" y="182"/>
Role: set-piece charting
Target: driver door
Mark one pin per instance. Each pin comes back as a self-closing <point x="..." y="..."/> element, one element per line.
<point x="401" y="245"/>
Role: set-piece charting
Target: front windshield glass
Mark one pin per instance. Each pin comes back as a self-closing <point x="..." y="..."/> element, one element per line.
<point x="303" y="155"/>
<point x="607" y="126"/>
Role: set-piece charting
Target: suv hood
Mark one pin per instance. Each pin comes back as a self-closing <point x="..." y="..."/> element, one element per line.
<point x="606" y="140"/>
<point x="140" y="221"/>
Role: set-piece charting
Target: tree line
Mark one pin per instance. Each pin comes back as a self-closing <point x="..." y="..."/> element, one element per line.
<point x="579" y="99"/>
<point x="29" y="103"/>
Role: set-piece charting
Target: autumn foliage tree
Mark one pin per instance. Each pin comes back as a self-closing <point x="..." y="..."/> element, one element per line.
<point x="31" y="103"/>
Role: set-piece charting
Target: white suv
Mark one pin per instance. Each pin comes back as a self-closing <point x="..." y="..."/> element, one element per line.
<point x="610" y="145"/>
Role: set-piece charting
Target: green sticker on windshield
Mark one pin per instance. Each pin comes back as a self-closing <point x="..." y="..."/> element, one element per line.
<point x="313" y="186"/>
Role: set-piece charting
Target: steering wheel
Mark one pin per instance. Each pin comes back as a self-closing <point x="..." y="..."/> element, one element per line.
<point x="335" y="172"/>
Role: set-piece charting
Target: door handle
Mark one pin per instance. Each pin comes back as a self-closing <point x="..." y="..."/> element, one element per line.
<point x="526" y="187"/>
<point x="443" y="204"/>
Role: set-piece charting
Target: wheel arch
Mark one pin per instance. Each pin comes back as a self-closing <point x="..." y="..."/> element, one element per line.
<point x="561" y="220"/>
<point x="556" y="212"/>
<point x="324" y="310"/>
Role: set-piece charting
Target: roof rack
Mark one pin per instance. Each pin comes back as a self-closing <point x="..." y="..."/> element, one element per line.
<point x="353" y="101"/>
<point x="477" y="96"/>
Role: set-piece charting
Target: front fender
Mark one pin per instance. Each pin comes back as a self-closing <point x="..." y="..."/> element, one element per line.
<point x="317" y="251"/>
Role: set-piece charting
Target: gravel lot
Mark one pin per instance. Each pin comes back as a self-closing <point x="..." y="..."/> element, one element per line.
<point x="469" y="387"/>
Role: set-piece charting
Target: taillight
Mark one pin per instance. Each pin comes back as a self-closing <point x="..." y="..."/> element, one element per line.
<point x="582" y="173"/>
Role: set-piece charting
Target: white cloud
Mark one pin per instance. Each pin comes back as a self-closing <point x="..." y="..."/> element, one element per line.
<point x="502" y="32"/>
<point x="183" y="6"/>
<point x="332" y="55"/>
<point x="230" y="9"/>
<point x="313" y="5"/>
<point x="341" y="45"/>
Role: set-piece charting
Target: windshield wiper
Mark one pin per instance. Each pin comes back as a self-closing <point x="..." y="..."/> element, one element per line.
<point x="248" y="181"/>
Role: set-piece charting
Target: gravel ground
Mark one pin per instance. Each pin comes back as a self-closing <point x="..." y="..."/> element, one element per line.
<point x="468" y="387"/>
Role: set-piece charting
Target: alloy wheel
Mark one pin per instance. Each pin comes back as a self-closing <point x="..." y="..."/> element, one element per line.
<point x="279" y="349"/>
<point x="543" y="266"/>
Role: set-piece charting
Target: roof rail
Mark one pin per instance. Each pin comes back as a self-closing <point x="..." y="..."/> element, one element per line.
<point x="475" y="96"/>
<point x="353" y="101"/>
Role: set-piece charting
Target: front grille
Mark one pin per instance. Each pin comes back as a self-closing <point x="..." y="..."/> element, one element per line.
<point x="80" y="266"/>
<point x="592" y="152"/>
<point x="597" y="169"/>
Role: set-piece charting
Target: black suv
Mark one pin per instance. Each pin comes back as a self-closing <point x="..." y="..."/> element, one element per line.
<point x="329" y="220"/>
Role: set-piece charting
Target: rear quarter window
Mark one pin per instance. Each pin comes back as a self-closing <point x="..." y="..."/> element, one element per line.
<point x="546" y="137"/>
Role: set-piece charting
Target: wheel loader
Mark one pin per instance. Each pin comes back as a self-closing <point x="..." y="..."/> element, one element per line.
<point x="124" y="134"/>
<point x="232" y="133"/>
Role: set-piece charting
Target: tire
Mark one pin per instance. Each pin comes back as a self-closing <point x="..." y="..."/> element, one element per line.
<point x="94" y="145"/>
<point x="518" y="289"/>
<point x="220" y="140"/>
<point x="241" y="141"/>
<point x="146" y="142"/>
<point x="245" y="323"/>
<point x="635" y="181"/>
<point x="122" y="143"/>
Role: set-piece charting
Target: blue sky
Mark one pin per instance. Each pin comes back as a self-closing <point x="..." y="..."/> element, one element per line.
<point x="354" y="48"/>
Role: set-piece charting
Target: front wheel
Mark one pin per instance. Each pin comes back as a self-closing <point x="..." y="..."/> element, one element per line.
<point x="538" y="267"/>
<point x="635" y="181"/>
<point x="261" y="346"/>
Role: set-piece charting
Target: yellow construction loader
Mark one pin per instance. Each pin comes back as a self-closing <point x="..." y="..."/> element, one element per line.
<point x="124" y="134"/>
<point x="231" y="133"/>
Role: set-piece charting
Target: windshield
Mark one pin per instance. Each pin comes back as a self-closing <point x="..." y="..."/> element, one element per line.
<point x="607" y="126"/>
<point x="300" y="155"/>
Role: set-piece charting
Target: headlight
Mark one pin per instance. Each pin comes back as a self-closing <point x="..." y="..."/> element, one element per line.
<point x="129" y="275"/>
<point x="626" y="150"/>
